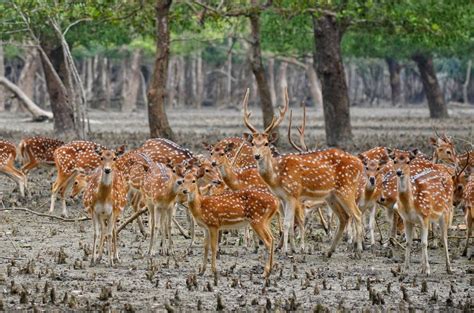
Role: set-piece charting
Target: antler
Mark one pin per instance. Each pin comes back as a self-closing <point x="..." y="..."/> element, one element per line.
<point x="294" y="145"/>
<point x="276" y="121"/>
<point x="301" y="129"/>
<point x="465" y="165"/>
<point x="245" y="104"/>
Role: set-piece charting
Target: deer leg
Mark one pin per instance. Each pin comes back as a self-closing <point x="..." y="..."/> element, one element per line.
<point x="443" y="223"/>
<point x="191" y="227"/>
<point x="151" y="221"/>
<point x="288" y="229"/>
<point x="409" y="237"/>
<point x="26" y="168"/>
<point x="263" y="232"/>
<point x="425" y="266"/>
<point x="434" y="233"/>
<point x="95" y="226"/>
<point x="300" y="220"/>
<point x="469" y="218"/>
<point x="102" y="238"/>
<point x="115" y="241"/>
<point x="372" y="212"/>
<point x="391" y="218"/>
<point x="15" y="175"/>
<point x="343" y="220"/>
<point x="213" y="236"/>
<point x="205" y="252"/>
<point x="110" y="234"/>
<point x="170" y="214"/>
<point x="351" y="209"/>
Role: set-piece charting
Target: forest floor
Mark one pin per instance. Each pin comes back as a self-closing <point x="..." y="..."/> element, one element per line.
<point x="44" y="262"/>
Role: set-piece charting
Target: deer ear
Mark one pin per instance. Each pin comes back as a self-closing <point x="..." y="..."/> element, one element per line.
<point x="272" y="137"/>
<point x="248" y="137"/>
<point x="383" y="160"/>
<point x="207" y="146"/>
<point x="200" y="173"/>
<point x="98" y="151"/>
<point x="433" y="142"/>
<point x="229" y="147"/>
<point x="120" y="150"/>
<point x="414" y="153"/>
<point x="363" y="158"/>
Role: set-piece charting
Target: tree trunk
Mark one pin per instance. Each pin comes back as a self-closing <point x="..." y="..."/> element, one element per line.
<point x="37" y="113"/>
<point x="171" y="83"/>
<point x="131" y="83"/>
<point x="26" y="81"/>
<point x="181" y="80"/>
<point x="158" y="121"/>
<point x="271" y="79"/>
<point x="62" y="109"/>
<point x="258" y="69"/>
<point x="2" y="74"/>
<point x="394" y="69"/>
<point x="328" y="61"/>
<point x="199" y="81"/>
<point x="436" y="103"/>
<point x="229" y="73"/>
<point x="282" y="82"/>
<point x="314" y="85"/>
<point x="466" y="82"/>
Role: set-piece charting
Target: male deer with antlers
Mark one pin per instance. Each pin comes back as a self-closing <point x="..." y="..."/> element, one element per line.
<point x="7" y="165"/>
<point x="230" y="210"/>
<point x="330" y="175"/>
<point x="105" y="198"/>
<point x="424" y="197"/>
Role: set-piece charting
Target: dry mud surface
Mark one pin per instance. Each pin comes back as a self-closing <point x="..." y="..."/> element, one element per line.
<point x="44" y="262"/>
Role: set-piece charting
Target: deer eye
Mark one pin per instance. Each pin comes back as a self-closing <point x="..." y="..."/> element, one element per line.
<point x="448" y="152"/>
<point x="395" y="162"/>
<point x="115" y="159"/>
<point x="378" y="168"/>
<point x="266" y="144"/>
<point x="194" y="181"/>
<point x="459" y="187"/>
<point x="75" y="183"/>
<point x="101" y="158"/>
<point x="207" y="171"/>
<point x="222" y="154"/>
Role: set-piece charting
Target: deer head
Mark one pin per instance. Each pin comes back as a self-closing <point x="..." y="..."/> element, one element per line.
<point x="261" y="141"/>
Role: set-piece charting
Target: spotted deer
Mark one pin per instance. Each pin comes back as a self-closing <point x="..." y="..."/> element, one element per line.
<point x="7" y="165"/>
<point x="230" y="210"/>
<point x="424" y="195"/>
<point x="445" y="152"/>
<point x="159" y="189"/>
<point x="37" y="151"/>
<point x="330" y="175"/>
<point x="237" y="149"/>
<point x="105" y="198"/>
<point x="70" y="160"/>
<point x="468" y="206"/>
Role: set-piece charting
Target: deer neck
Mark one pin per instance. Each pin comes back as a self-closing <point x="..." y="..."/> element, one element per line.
<point x="194" y="203"/>
<point x="405" y="191"/>
<point x="267" y="168"/>
<point x="228" y="175"/>
<point x="105" y="186"/>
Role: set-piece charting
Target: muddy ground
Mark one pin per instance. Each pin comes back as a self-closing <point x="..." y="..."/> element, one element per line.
<point x="44" y="262"/>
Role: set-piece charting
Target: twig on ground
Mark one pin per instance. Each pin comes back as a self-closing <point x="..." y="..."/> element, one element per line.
<point x="49" y="215"/>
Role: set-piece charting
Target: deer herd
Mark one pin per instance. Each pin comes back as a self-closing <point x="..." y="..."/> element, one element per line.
<point x="245" y="183"/>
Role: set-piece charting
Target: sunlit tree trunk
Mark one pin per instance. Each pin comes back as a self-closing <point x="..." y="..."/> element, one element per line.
<point x="2" y="74"/>
<point x="131" y="83"/>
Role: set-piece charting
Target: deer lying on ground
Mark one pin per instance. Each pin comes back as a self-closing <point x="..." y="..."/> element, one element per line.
<point x="70" y="160"/>
<point x="7" y="165"/>
<point x="230" y="210"/>
<point x="105" y="198"/>
<point x="424" y="195"/>
<point x="330" y="175"/>
<point x="37" y="151"/>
